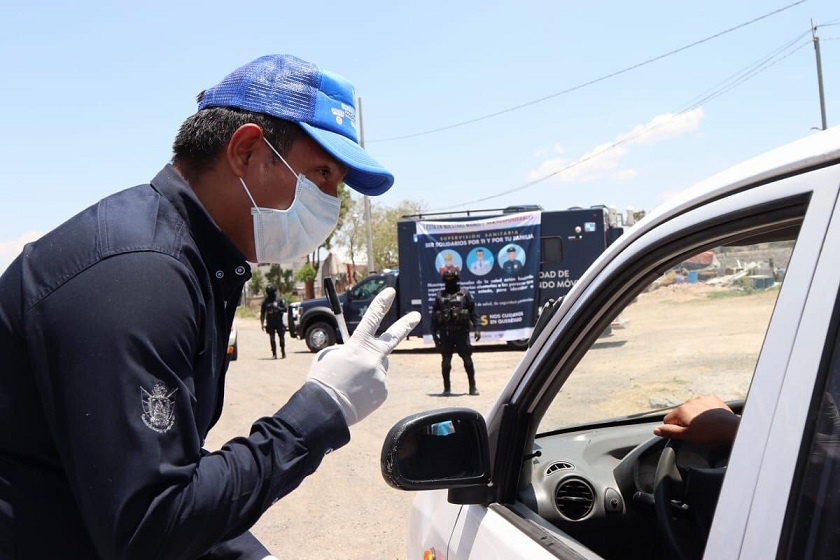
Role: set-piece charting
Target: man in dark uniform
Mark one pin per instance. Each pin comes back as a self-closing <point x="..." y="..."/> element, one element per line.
<point x="452" y="314"/>
<point x="512" y="265"/>
<point x="106" y="400"/>
<point x="272" y="312"/>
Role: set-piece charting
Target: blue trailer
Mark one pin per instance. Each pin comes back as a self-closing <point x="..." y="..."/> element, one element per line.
<point x="570" y="241"/>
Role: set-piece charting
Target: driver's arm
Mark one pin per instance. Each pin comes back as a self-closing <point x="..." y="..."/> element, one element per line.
<point x="705" y="419"/>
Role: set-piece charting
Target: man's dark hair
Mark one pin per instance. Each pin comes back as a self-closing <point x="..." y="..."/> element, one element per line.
<point x="204" y="135"/>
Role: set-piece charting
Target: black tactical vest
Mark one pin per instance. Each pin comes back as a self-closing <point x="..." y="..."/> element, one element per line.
<point x="453" y="310"/>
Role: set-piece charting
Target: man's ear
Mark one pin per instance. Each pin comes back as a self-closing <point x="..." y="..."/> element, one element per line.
<point x="242" y="147"/>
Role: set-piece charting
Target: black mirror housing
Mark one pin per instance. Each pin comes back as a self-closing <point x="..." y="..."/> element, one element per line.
<point x="445" y="448"/>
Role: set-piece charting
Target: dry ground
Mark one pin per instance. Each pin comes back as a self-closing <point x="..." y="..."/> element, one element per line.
<point x="345" y="510"/>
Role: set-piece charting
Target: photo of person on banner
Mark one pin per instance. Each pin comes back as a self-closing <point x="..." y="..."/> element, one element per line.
<point x="513" y="261"/>
<point x="480" y="261"/>
<point x="449" y="260"/>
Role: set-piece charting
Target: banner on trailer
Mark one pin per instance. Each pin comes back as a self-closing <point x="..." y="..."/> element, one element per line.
<point x="499" y="261"/>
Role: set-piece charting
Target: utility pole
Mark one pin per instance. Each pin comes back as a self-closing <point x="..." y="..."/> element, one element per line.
<point x="819" y="73"/>
<point x="371" y="265"/>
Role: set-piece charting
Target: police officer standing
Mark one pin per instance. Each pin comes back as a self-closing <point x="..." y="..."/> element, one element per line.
<point x="453" y="313"/>
<point x="272" y="311"/>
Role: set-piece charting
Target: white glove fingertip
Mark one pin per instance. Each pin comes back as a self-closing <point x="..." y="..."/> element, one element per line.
<point x="373" y="316"/>
<point x="387" y="294"/>
<point x="383" y="301"/>
<point x="397" y="332"/>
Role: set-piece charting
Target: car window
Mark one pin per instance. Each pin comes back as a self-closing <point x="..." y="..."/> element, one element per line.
<point x="698" y="328"/>
<point x="369" y="289"/>
<point x="813" y="522"/>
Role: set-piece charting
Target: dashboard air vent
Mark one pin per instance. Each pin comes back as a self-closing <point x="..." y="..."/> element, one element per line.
<point x="574" y="498"/>
<point x="558" y="466"/>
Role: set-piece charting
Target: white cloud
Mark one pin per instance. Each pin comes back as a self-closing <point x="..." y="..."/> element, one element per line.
<point x="605" y="160"/>
<point x="11" y="249"/>
<point x="665" y="127"/>
<point x="545" y="152"/>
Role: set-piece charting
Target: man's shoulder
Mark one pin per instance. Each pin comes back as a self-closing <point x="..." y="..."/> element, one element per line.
<point x="129" y="221"/>
<point x="139" y="218"/>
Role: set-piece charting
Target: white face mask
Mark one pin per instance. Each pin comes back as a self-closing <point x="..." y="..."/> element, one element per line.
<point x="284" y="235"/>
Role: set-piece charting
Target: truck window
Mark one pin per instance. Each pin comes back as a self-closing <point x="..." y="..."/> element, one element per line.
<point x="551" y="250"/>
<point x="813" y="524"/>
<point x="367" y="289"/>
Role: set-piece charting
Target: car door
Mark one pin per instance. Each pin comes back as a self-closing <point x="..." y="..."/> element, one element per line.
<point x="512" y="526"/>
<point x="760" y="491"/>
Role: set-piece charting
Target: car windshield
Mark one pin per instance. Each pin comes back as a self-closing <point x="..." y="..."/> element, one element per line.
<point x="697" y="329"/>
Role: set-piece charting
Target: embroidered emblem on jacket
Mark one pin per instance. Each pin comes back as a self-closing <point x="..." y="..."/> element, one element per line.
<point x="158" y="407"/>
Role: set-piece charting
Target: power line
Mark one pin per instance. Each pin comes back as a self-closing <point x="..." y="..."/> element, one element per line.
<point x="591" y="82"/>
<point x="726" y="85"/>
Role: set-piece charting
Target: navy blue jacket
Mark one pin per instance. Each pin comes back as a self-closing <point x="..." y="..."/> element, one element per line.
<point x="113" y="330"/>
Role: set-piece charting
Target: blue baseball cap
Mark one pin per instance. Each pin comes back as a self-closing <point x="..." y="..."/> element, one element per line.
<point x="323" y="103"/>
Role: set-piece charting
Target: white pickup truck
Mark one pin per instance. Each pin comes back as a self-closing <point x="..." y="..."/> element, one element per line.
<point x="731" y="289"/>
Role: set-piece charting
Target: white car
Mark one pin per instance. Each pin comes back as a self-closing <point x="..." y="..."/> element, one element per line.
<point x="731" y="289"/>
<point x="233" y="345"/>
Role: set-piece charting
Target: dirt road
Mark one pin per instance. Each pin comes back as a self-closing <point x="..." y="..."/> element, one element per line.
<point x="345" y="510"/>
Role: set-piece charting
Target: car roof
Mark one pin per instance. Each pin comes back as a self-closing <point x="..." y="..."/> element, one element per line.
<point x="817" y="150"/>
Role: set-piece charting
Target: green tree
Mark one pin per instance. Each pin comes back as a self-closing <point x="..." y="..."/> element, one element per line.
<point x="384" y="225"/>
<point x="314" y="258"/>
<point x="275" y="275"/>
<point x="282" y="279"/>
<point x="287" y="281"/>
<point x="307" y="274"/>
<point x="352" y="234"/>
<point x="257" y="283"/>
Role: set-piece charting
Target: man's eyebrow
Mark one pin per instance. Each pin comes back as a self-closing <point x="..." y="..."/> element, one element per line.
<point x="340" y="166"/>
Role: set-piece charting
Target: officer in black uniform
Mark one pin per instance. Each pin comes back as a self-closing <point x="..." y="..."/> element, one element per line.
<point x="272" y="311"/>
<point x="453" y="313"/>
<point x="105" y="409"/>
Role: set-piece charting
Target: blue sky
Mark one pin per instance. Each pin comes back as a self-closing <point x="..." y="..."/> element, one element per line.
<point x="93" y="94"/>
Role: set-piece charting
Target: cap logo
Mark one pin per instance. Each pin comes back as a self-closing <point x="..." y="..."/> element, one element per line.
<point x="344" y="112"/>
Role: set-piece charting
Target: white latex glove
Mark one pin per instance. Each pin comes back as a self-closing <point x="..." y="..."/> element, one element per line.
<point x="354" y="373"/>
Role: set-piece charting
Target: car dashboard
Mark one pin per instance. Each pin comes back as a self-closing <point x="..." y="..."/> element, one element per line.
<point x="597" y="484"/>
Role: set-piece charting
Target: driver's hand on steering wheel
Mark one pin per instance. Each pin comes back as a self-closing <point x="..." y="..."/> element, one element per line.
<point x="705" y="420"/>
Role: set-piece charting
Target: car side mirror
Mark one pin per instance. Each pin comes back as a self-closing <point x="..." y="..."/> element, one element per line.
<point x="440" y="449"/>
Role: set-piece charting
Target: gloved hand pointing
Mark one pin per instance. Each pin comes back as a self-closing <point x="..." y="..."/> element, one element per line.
<point x="477" y="335"/>
<point x="354" y="373"/>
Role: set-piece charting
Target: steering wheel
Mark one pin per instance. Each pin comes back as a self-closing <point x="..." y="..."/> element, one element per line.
<point x="684" y="501"/>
